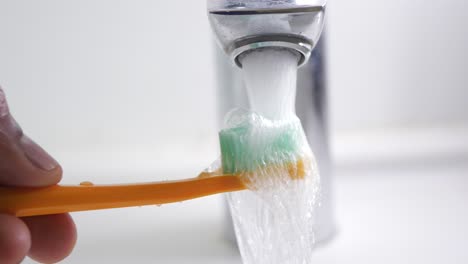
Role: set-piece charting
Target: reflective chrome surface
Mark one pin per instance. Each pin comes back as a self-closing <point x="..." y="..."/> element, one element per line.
<point x="285" y="41"/>
<point x="241" y="26"/>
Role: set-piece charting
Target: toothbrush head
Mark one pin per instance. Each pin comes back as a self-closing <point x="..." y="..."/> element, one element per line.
<point x="255" y="144"/>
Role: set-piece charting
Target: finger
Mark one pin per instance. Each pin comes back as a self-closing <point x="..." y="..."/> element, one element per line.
<point x="23" y="162"/>
<point x="15" y="239"/>
<point x="52" y="237"/>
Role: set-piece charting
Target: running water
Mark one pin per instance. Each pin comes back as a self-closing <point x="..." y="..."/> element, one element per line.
<point x="270" y="77"/>
<point x="274" y="220"/>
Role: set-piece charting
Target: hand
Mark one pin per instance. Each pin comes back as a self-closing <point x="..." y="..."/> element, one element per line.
<point x="23" y="163"/>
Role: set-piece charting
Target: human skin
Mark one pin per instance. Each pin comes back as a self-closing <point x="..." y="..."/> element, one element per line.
<point x="46" y="239"/>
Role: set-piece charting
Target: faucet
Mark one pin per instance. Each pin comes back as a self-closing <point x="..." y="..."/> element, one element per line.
<point x="241" y="26"/>
<point x="245" y="25"/>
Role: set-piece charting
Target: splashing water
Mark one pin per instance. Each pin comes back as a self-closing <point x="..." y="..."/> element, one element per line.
<point x="274" y="220"/>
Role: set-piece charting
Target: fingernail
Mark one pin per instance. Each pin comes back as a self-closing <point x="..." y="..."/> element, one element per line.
<point x="3" y="104"/>
<point x="37" y="155"/>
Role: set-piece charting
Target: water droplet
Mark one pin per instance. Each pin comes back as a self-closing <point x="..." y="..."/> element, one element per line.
<point x="86" y="183"/>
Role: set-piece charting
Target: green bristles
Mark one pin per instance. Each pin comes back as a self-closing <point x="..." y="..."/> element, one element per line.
<point x="251" y="145"/>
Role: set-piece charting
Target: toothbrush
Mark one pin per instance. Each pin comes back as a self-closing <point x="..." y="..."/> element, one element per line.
<point x="245" y="150"/>
<point x="33" y="201"/>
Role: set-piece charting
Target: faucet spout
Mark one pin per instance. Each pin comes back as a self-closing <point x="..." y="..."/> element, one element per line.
<point x="243" y="26"/>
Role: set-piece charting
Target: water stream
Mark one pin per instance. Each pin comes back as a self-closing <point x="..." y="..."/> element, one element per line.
<point x="274" y="220"/>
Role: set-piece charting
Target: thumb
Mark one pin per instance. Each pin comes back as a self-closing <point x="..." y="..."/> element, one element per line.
<point x="22" y="161"/>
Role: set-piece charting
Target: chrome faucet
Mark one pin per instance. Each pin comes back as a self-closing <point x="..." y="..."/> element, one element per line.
<point x="241" y="26"/>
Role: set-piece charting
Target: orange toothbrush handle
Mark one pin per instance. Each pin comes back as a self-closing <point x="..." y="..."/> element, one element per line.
<point x="60" y="199"/>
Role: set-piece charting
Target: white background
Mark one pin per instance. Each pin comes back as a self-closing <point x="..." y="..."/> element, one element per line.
<point x="124" y="91"/>
<point x="119" y="76"/>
